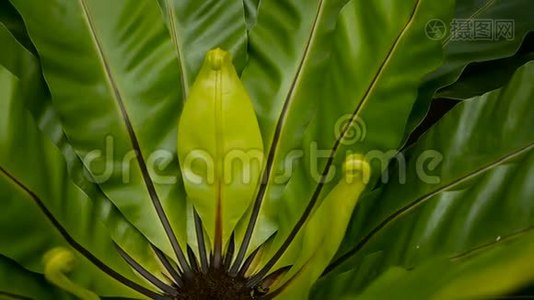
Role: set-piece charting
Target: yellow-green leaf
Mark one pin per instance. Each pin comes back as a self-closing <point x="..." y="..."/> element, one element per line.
<point x="219" y="147"/>
<point x="323" y="233"/>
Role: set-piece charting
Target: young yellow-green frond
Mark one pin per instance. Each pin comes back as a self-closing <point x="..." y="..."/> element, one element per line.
<point x="219" y="147"/>
<point x="324" y="231"/>
<point x="58" y="262"/>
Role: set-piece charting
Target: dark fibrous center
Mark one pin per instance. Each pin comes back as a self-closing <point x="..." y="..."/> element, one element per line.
<point x="215" y="284"/>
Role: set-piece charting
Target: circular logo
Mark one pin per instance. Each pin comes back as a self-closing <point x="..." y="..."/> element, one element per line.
<point x="435" y="29"/>
<point x="350" y="130"/>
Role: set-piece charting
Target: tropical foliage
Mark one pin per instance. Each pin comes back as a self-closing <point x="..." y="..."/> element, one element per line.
<point x="247" y="149"/>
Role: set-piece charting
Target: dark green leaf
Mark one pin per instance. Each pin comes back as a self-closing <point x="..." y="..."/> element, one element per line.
<point x="16" y="283"/>
<point x="287" y="52"/>
<point x="199" y="26"/>
<point x="466" y="183"/>
<point x="37" y="182"/>
<point x="479" y="78"/>
<point x="372" y="77"/>
<point x="10" y="18"/>
<point x="462" y="51"/>
<point x="100" y="62"/>
<point x="496" y="270"/>
<point x="251" y="12"/>
<point x="37" y="99"/>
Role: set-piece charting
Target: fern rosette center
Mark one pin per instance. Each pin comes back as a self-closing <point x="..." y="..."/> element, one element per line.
<point x="223" y="164"/>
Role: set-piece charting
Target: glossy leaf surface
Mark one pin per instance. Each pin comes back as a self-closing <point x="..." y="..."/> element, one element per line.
<point x="114" y="115"/>
<point x="463" y="46"/>
<point x="452" y="185"/>
<point x="226" y="179"/>
<point x="358" y="122"/>
<point x="37" y="100"/>
<point x="38" y="183"/>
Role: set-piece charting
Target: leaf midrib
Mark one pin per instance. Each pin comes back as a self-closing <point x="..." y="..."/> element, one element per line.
<point x="269" y="165"/>
<point x="291" y="94"/>
<point x="337" y="143"/>
<point x="370" y="90"/>
<point x="479" y="11"/>
<point x="72" y="242"/>
<point x="176" y="40"/>
<point x="133" y="138"/>
<point x="488" y="246"/>
<point x="422" y="199"/>
<point x="14" y="296"/>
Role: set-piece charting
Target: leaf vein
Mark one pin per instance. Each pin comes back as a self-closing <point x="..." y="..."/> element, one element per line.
<point x="134" y="141"/>
<point x="420" y="200"/>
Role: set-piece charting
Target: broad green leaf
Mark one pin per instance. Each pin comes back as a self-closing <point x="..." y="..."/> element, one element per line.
<point x="10" y="18"/>
<point x="287" y="56"/>
<point x="39" y="179"/>
<point x="479" y="78"/>
<point x="199" y="26"/>
<point x="374" y="70"/>
<point x="219" y="147"/>
<point x="460" y="52"/>
<point x="27" y="249"/>
<point x="251" y="12"/>
<point x="20" y="62"/>
<point x="466" y="183"/>
<point x="18" y="283"/>
<point x="492" y="271"/>
<point x="100" y="62"/>
<point x="286" y="51"/>
<point x="37" y="99"/>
